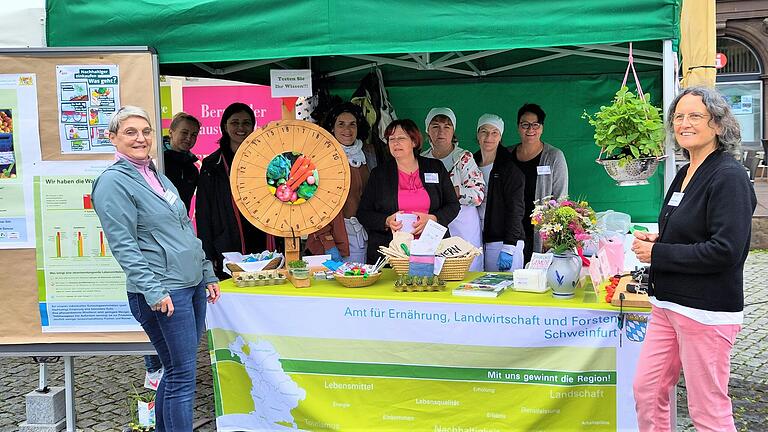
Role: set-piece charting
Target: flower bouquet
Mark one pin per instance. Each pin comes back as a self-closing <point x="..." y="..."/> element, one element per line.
<point x="563" y="225"/>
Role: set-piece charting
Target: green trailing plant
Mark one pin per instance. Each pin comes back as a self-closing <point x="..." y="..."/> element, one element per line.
<point x="630" y="128"/>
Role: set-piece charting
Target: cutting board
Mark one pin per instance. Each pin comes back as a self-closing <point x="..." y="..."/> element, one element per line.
<point x="630" y="299"/>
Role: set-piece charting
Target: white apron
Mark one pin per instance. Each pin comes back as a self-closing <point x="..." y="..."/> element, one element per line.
<point x="467" y="226"/>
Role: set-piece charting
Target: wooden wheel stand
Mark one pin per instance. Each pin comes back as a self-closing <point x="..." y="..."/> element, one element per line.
<point x="300" y="143"/>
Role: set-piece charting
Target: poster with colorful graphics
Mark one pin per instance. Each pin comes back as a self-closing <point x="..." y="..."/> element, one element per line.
<point x="81" y="286"/>
<point x="207" y="103"/>
<point x="19" y="142"/>
<point x="88" y="95"/>
<point x="326" y="363"/>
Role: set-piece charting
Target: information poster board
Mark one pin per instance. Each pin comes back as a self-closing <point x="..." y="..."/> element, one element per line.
<point x="35" y="296"/>
<point x="81" y="286"/>
<point x="18" y="133"/>
<point x="88" y="96"/>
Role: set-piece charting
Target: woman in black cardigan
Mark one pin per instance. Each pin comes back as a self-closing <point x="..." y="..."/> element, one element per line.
<point x="407" y="184"/>
<point x="502" y="210"/>
<point x="697" y="263"/>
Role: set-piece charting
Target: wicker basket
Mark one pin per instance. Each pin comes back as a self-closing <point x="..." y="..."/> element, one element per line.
<point x="454" y="269"/>
<point x="357" y="281"/>
<point x="633" y="173"/>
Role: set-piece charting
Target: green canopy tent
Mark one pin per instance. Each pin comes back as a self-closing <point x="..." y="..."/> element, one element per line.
<point x="476" y="57"/>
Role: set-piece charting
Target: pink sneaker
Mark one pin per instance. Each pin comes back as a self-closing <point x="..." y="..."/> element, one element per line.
<point x="152" y="379"/>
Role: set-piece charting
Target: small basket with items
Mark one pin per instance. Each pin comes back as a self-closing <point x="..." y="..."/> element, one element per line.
<point x="456" y="252"/>
<point x="354" y="275"/>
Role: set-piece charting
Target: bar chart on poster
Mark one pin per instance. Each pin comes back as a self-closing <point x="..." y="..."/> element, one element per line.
<point x="81" y="286"/>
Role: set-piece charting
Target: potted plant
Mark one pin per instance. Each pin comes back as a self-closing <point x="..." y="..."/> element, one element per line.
<point x="141" y="408"/>
<point x="563" y="226"/>
<point x="630" y="134"/>
<point x="298" y="269"/>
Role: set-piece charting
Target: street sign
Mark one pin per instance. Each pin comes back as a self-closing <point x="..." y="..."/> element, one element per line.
<point x="720" y="60"/>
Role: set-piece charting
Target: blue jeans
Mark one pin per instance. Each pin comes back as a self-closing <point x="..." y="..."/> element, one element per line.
<point x="175" y="339"/>
<point x="152" y="363"/>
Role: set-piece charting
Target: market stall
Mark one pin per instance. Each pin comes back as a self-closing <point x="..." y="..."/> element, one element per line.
<point x="475" y="57"/>
<point x="329" y="357"/>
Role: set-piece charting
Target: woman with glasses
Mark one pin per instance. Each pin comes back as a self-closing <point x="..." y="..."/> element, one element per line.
<point x="407" y="184"/>
<point x="167" y="275"/>
<point x="220" y="224"/>
<point x="697" y="263"/>
<point x="544" y="168"/>
<point x="501" y="213"/>
<point x="466" y="178"/>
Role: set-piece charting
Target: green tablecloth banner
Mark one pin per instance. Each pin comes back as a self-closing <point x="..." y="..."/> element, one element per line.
<point x="336" y="358"/>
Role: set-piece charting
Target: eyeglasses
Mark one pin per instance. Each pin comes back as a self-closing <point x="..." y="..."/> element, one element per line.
<point x="527" y="125"/>
<point x="134" y="133"/>
<point x="237" y="124"/>
<point x="693" y="118"/>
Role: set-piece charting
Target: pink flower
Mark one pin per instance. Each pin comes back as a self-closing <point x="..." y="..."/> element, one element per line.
<point x="582" y="237"/>
<point x="567" y="203"/>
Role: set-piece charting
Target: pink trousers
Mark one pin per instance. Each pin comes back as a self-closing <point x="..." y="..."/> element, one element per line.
<point x="674" y="342"/>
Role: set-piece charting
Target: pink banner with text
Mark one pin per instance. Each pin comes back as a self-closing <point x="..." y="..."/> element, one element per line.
<point x="207" y="103"/>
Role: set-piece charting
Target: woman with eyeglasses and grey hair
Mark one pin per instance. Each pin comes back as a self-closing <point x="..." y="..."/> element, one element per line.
<point x="697" y="263"/>
<point x="544" y="168"/>
<point x="167" y="276"/>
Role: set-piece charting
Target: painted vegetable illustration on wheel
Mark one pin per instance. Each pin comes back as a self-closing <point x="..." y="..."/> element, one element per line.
<point x="292" y="177"/>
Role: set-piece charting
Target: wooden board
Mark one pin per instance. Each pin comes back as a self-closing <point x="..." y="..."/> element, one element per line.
<point x="289" y="138"/>
<point x="630" y="299"/>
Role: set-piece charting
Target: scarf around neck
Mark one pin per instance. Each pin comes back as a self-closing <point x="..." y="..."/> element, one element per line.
<point x="355" y="154"/>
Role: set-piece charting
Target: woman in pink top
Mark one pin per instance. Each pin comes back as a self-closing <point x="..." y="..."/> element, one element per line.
<point x="408" y="184"/>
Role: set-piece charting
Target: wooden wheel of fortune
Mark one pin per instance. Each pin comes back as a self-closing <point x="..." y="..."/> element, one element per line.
<point x="289" y="179"/>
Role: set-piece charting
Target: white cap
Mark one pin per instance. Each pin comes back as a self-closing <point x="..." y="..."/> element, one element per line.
<point x="493" y="120"/>
<point x="440" y="111"/>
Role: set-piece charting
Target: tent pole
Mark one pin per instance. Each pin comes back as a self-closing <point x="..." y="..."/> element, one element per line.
<point x="669" y="87"/>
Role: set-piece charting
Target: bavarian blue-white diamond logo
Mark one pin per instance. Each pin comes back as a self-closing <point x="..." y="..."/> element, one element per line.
<point x="635" y="327"/>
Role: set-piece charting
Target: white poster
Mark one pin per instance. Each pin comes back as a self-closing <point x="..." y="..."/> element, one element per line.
<point x="88" y="95"/>
<point x="290" y="82"/>
<point x="19" y="149"/>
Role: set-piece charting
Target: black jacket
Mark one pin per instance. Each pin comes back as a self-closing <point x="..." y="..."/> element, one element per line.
<point x="379" y="200"/>
<point x="504" y="200"/>
<point x="180" y="168"/>
<point x="698" y="259"/>
<point x="220" y="226"/>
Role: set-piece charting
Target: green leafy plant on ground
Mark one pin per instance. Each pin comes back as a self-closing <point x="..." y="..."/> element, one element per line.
<point x="630" y="128"/>
<point x="133" y="399"/>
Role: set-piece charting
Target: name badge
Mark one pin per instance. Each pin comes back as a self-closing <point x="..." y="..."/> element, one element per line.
<point x="676" y="198"/>
<point x="543" y="170"/>
<point x="431" y="178"/>
<point x="170" y="197"/>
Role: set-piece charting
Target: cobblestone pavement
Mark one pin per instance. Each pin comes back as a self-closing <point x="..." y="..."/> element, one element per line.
<point x="102" y="384"/>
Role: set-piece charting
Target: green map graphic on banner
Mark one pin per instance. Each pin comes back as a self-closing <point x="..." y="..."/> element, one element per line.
<point x="415" y="366"/>
<point x="431" y="393"/>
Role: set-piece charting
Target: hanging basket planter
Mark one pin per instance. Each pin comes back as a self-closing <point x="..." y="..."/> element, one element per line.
<point x="633" y="173"/>
<point x="630" y="134"/>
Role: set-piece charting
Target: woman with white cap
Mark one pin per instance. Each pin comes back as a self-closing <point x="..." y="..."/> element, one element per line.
<point x="465" y="176"/>
<point x="544" y="168"/>
<point x="501" y="213"/>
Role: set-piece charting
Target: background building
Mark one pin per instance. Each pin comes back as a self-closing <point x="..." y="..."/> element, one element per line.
<point x="742" y="37"/>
